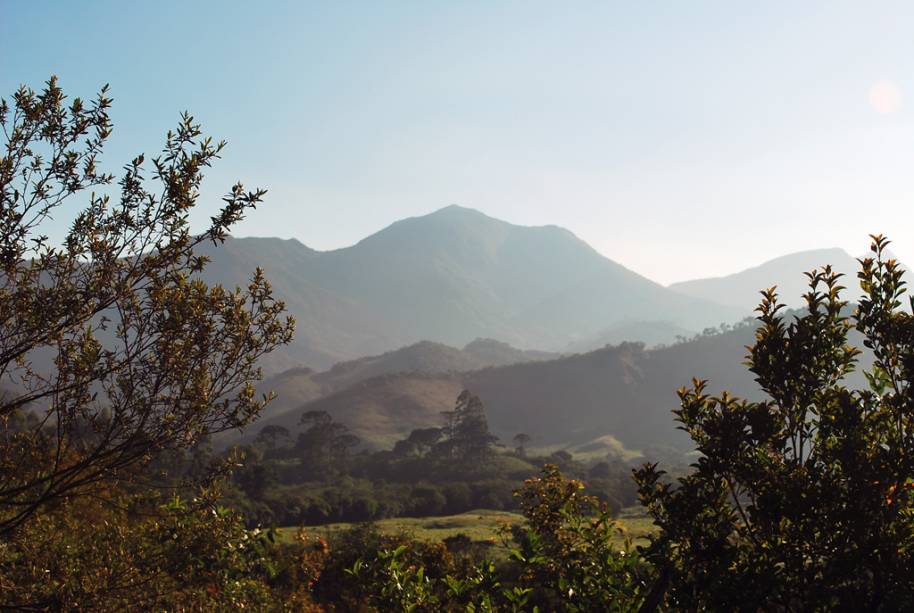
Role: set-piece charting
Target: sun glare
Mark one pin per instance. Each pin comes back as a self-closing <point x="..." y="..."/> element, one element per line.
<point x="885" y="97"/>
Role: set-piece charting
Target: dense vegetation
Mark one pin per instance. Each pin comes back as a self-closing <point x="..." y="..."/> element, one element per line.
<point x="110" y="498"/>
<point x="111" y="349"/>
<point x="807" y="498"/>
<point x="318" y="477"/>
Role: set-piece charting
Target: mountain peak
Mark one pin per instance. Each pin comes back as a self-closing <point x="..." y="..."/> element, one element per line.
<point x="454" y="213"/>
<point x="456" y="209"/>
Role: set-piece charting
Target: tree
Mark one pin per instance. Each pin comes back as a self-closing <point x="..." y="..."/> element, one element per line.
<point x="253" y="475"/>
<point x="419" y="442"/>
<point x="805" y="500"/>
<point x="521" y="441"/>
<point x="568" y="549"/>
<point x="269" y="436"/>
<point x="325" y="445"/>
<point x="467" y="436"/>
<point x="108" y="335"/>
<point x="143" y="553"/>
<point x="425" y="438"/>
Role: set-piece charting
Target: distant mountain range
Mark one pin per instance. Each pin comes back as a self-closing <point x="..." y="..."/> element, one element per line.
<point x="412" y="293"/>
<point x="741" y="290"/>
<point x="623" y="391"/>
<point x="424" y="374"/>
<point x="450" y="277"/>
<point x="301" y="385"/>
<point x="651" y="333"/>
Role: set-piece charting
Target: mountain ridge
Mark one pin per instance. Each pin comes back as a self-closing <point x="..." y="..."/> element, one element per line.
<point x="742" y="289"/>
<point x="623" y="391"/>
<point x="451" y="276"/>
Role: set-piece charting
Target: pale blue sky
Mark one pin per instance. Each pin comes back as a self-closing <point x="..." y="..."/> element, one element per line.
<point x="681" y="139"/>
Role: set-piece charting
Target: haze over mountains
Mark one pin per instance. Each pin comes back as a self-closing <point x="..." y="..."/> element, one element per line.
<point x="741" y="289"/>
<point x="411" y="294"/>
<point x="625" y="392"/>
<point x="453" y="276"/>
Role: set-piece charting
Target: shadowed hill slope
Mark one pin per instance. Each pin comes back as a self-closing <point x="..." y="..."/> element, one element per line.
<point x="428" y="357"/>
<point x="297" y="386"/>
<point x="624" y="391"/>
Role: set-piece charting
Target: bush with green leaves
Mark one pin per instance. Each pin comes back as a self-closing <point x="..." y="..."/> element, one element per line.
<point x="109" y="339"/>
<point x="804" y="500"/>
<point x="566" y="558"/>
<point x="117" y="552"/>
<point x="568" y="554"/>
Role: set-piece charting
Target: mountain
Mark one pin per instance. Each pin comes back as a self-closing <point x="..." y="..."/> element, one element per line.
<point x="428" y="357"/>
<point x="298" y="386"/>
<point x="449" y="277"/>
<point x="329" y="327"/>
<point x="380" y="411"/>
<point x="426" y="374"/>
<point x="624" y="391"/>
<point x="741" y="290"/>
<point x="651" y="333"/>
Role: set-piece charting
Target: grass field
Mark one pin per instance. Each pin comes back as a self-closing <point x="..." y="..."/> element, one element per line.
<point x="480" y="526"/>
<point x="635" y="524"/>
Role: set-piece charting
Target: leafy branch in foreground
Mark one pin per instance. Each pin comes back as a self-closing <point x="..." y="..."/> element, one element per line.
<point x="111" y="348"/>
<point x="803" y="501"/>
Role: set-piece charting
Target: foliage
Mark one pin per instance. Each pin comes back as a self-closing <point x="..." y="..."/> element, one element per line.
<point x="386" y="572"/>
<point x="568" y="553"/>
<point x="121" y="550"/>
<point x="108" y="336"/>
<point x="136" y="552"/>
<point x="123" y="362"/>
<point x="433" y="471"/>
<point x="324" y="447"/>
<point x="521" y="440"/>
<point x="803" y="501"/>
<point x="565" y="561"/>
<point x="466" y="436"/>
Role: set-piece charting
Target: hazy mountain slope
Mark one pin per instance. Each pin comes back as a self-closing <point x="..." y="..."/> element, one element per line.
<point x="297" y="386"/>
<point x="450" y="277"/>
<point x="457" y="274"/>
<point x="489" y="352"/>
<point x="329" y="327"/>
<point x="651" y="333"/>
<point x="742" y="289"/>
<point x="625" y="296"/>
<point x="428" y="357"/>
<point x="381" y="410"/>
<point x="622" y="391"/>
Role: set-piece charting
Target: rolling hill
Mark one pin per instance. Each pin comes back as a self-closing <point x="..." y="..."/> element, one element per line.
<point x="298" y="386"/>
<point x="624" y="391"/>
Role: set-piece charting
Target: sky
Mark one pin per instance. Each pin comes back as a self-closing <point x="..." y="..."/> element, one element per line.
<point x="681" y="139"/>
